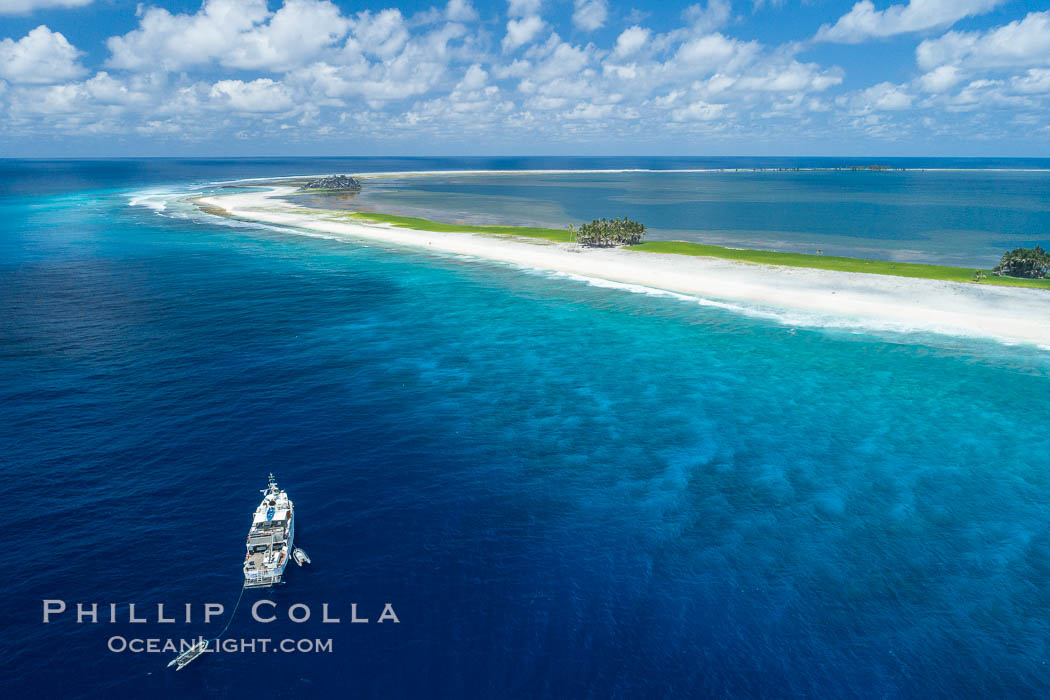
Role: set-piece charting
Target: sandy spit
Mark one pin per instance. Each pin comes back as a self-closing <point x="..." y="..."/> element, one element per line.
<point x="793" y="295"/>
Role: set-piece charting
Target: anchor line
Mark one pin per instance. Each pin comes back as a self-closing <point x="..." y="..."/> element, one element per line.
<point x="232" y="614"/>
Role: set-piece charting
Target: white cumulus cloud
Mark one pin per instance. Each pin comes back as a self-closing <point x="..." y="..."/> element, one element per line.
<point x="475" y="79"/>
<point x="864" y="22"/>
<point x="698" y="111"/>
<point x="705" y="18"/>
<point x="941" y="79"/>
<point x="1034" y="81"/>
<point x="522" y="31"/>
<point x="714" y="52"/>
<point x="296" y="33"/>
<point x="460" y="11"/>
<point x="404" y="66"/>
<point x="234" y="33"/>
<point x="260" y="95"/>
<point x="174" y="42"/>
<point x="1020" y="44"/>
<point x="41" y="56"/>
<point x="589" y="15"/>
<point x="631" y="40"/>
<point x="24" y="7"/>
<point x="522" y="8"/>
<point x="884" y="97"/>
<point x="383" y="34"/>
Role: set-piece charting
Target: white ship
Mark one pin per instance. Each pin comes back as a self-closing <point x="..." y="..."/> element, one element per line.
<point x="270" y="539"/>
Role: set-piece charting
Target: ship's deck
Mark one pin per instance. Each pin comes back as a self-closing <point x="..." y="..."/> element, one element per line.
<point x="256" y="560"/>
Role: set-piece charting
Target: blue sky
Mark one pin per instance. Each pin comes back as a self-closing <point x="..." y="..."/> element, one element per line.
<point x="719" y="77"/>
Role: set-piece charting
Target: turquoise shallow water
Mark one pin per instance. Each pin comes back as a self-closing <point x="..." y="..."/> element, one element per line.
<point x="956" y="217"/>
<point x="565" y="490"/>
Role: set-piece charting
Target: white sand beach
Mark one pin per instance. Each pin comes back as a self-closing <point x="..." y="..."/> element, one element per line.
<point x="790" y="294"/>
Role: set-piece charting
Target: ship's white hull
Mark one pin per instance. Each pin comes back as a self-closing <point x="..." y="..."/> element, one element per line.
<point x="270" y="540"/>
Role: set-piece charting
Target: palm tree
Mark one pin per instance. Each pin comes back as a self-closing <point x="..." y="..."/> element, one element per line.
<point x="1024" y="262"/>
<point x="605" y="233"/>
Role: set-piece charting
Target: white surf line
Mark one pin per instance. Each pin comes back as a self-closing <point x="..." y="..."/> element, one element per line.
<point x="417" y="173"/>
<point x="157" y="200"/>
<point x="613" y="171"/>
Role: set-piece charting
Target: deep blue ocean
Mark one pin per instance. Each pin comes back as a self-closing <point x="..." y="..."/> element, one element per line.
<point x="564" y="490"/>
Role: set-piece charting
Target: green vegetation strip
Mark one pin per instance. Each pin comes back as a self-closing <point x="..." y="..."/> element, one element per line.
<point x="551" y="234"/>
<point x="762" y="257"/>
<point x="833" y="262"/>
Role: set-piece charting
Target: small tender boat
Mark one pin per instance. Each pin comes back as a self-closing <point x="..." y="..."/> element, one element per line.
<point x="300" y="556"/>
<point x="190" y="655"/>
